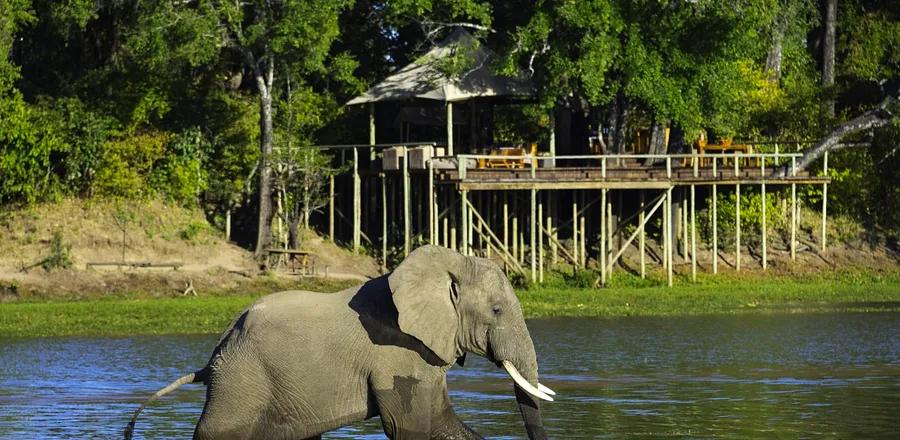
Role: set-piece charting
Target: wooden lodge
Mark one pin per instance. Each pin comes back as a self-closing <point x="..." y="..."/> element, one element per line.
<point x="527" y="206"/>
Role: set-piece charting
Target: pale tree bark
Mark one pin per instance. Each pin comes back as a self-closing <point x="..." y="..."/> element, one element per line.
<point x="774" y="57"/>
<point x="877" y="117"/>
<point x="828" y="51"/>
<point x="264" y="76"/>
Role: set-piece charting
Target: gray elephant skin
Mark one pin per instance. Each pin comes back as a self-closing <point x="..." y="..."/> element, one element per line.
<point x="297" y="364"/>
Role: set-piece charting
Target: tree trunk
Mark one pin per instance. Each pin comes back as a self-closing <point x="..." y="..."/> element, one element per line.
<point x="266" y="139"/>
<point x="828" y="51"/>
<point x="877" y="117"/>
<point x="624" y="108"/>
<point x="774" y="57"/>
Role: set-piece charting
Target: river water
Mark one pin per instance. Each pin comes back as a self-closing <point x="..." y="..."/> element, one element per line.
<point x="738" y="377"/>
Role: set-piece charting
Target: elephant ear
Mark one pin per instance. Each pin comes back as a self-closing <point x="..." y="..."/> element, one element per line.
<point x="425" y="296"/>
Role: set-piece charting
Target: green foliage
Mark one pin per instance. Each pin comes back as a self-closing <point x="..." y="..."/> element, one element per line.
<point x="60" y="254"/>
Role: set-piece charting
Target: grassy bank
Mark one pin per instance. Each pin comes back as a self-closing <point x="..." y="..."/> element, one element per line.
<point x="723" y="294"/>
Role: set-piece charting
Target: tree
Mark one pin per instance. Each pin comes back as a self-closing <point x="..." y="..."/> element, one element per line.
<point x="267" y="37"/>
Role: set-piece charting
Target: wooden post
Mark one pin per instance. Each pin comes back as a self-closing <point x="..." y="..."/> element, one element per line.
<point x="515" y="237"/>
<point x="582" y="254"/>
<point x="693" y="234"/>
<point x="331" y="208"/>
<point x="575" y="258"/>
<point x="533" y="243"/>
<point x="668" y="233"/>
<point x="610" y="232"/>
<point x="764" y="232"/>
<point x="737" y="227"/>
<point x="432" y="233"/>
<point x="505" y="222"/>
<point x="540" y="243"/>
<point x="553" y="251"/>
<point x="553" y="136"/>
<point x="228" y="224"/>
<point x="464" y="226"/>
<point x="603" y="235"/>
<point x="641" y="239"/>
<point x="793" y="221"/>
<point x="384" y="222"/>
<point x="407" y="226"/>
<point x="450" y="129"/>
<point x="715" y="225"/>
<point x="684" y="223"/>
<point x="446" y="231"/>
<point x="356" y="201"/>
<point x="372" y="130"/>
<point x="824" y="203"/>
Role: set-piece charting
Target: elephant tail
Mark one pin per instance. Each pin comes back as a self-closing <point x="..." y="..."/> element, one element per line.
<point x="197" y="376"/>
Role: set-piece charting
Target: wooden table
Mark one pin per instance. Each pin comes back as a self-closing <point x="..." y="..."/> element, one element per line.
<point x="722" y="149"/>
<point x="506" y="158"/>
<point x="295" y="259"/>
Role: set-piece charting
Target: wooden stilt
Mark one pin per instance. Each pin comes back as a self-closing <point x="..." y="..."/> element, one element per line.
<point x="407" y="224"/>
<point x="641" y="238"/>
<point x="582" y="253"/>
<point x="540" y="243"/>
<point x="384" y="222"/>
<point x="824" y="203"/>
<point x="446" y="231"/>
<point x="228" y="224"/>
<point x="505" y="222"/>
<point x="610" y="232"/>
<point x="793" y="221"/>
<point x="765" y="264"/>
<point x="715" y="229"/>
<point x="603" y="235"/>
<point x="331" y="208"/>
<point x="737" y="228"/>
<point x="669" y="246"/>
<point x="356" y="201"/>
<point x="515" y="238"/>
<point x="533" y="233"/>
<point x="450" y="129"/>
<point x="372" y="130"/>
<point x="432" y="228"/>
<point x="693" y="234"/>
<point x="575" y="246"/>
<point x="684" y="224"/>
<point x="464" y="225"/>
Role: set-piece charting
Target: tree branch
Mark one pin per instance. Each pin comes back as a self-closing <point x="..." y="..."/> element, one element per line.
<point x="877" y="117"/>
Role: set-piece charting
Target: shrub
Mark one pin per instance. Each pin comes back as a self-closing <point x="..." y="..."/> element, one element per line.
<point x="60" y="254"/>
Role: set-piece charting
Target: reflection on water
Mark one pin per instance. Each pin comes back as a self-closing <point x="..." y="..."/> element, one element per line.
<point x="789" y="376"/>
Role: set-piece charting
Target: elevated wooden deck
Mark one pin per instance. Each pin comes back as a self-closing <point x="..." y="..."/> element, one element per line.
<point x="467" y="172"/>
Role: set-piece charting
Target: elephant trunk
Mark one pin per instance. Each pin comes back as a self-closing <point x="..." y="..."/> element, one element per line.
<point x="520" y="362"/>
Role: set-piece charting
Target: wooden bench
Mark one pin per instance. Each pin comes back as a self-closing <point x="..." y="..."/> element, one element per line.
<point x="298" y="261"/>
<point x="508" y="158"/>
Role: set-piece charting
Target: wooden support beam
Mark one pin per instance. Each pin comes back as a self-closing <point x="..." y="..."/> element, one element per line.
<point x="575" y="230"/>
<point x="356" y="201"/>
<point x="793" y="222"/>
<point x="612" y="261"/>
<point x="582" y="252"/>
<point x="372" y="130"/>
<point x="515" y="237"/>
<point x="642" y="221"/>
<point x="693" y="234"/>
<point x="407" y="224"/>
<point x="532" y="230"/>
<point x="824" y="203"/>
<point x="450" y="129"/>
<point x="603" y="225"/>
<point x="715" y="229"/>
<point x="331" y="208"/>
<point x="541" y="243"/>
<point x="765" y="264"/>
<point x="669" y="247"/>
<point x="384" y="222"/>
<point x="464" y="225"/>
<point x="506" y="222"/>
<point x="737" y="228"/>
<point x="432" y="226"/>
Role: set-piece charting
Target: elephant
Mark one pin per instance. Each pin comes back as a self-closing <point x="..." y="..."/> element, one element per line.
<point x="297" y="364"/>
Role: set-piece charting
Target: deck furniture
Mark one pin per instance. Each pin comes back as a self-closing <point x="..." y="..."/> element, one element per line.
<point x="296" y="260"/>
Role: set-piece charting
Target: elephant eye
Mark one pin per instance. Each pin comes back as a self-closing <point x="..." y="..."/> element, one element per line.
<point x="497" y="310"/>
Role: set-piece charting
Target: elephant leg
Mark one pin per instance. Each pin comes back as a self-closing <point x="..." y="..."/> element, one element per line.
<point x="405" y="405"/>
<point x="446" y="425"/>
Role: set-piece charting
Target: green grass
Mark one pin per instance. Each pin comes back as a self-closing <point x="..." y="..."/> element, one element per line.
<point x="626" y="296"/>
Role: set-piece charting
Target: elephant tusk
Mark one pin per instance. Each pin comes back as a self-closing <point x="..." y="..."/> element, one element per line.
<point x="523" y="384"/>
<point x="545" y="389"/>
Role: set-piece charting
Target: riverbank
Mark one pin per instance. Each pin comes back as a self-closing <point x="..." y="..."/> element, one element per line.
<point x="730" y="293"/>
